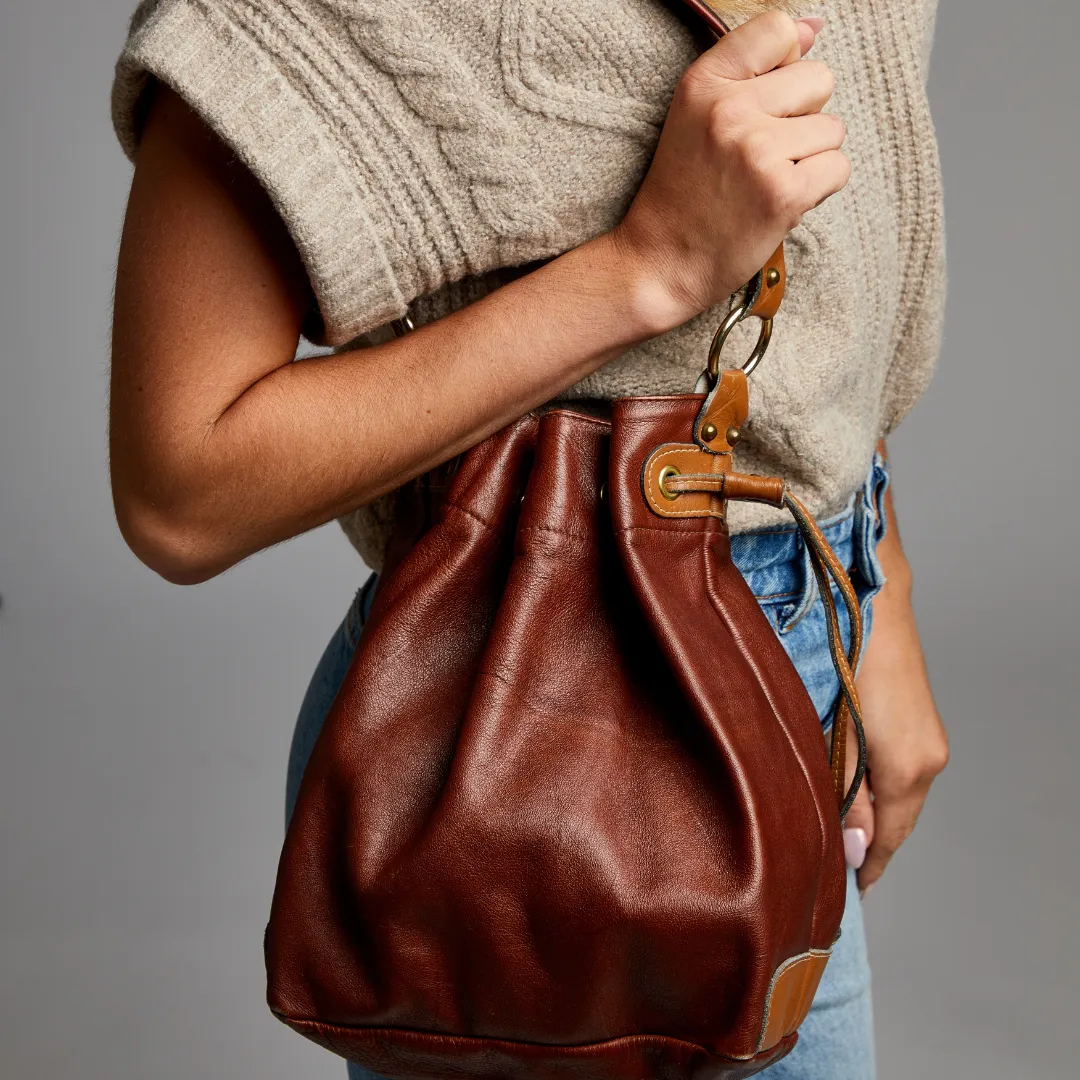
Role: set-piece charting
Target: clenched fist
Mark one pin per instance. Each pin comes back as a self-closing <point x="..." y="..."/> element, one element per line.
<point x="746" y="150"/>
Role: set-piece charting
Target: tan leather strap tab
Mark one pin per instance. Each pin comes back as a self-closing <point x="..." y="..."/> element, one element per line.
<point x="723" y="413"/>
<point x="772" y="281"/>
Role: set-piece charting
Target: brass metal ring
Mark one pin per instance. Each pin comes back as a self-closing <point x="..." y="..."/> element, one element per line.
<point x="666" y="473"/>
<point x="734" y="317"/>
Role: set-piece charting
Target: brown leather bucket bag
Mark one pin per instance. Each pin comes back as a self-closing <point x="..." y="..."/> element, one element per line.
<point x="572" y="814"/>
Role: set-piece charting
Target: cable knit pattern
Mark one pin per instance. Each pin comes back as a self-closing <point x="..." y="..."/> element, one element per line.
<point x="476" y="140"/>
<point x="420" y="151"/>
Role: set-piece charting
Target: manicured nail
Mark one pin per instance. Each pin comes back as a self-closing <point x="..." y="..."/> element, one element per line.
<point x="815" y="23"/>
<point x="855" y="847"/>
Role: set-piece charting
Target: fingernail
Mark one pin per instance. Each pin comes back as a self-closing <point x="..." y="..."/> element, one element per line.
<point x="855" y="847"/>
<point x="864" y="893"/>
<point x="815" y="23"/>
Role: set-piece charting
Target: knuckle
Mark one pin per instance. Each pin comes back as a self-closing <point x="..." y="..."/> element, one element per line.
<point x="838" y="174"/>
<point x="753" y="148"/>
<point x="907" y="778"/>
<point x="693" y="83"/>
<point x="937" y="758"/>
<point x="728" y="112"/>
<point x="690" y="88"/>
<point x="826" y="80"/>
<point x="893" y="839"/>
<point x="780" y="202"/>
<point x="780" y="25"/>
<point x="917" y="774"/>
<point x="819" y="77"/>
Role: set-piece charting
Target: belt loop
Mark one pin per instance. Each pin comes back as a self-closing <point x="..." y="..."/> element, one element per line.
<point x="871" y="523"/>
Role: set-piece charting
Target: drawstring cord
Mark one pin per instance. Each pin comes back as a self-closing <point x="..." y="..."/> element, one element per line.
<point x="827" y="571"/>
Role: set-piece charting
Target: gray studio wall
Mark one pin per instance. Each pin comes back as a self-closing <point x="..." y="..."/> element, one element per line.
<point x="145" y="727"/>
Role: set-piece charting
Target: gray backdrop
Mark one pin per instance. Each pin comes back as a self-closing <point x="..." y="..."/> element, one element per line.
<point x="145" y="727"/>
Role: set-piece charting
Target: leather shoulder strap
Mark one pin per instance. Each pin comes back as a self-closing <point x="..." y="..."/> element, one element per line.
<point x="713" y="23"/>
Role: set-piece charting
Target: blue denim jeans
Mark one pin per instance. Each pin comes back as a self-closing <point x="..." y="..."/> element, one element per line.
<point x="837" y="1040"/>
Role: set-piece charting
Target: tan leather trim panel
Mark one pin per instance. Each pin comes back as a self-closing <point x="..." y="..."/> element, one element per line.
<point x="791" y="995"/>
<point x="691" y="459"/>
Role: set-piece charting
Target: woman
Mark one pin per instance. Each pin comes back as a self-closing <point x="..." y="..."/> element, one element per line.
<point x="328" y="166"/>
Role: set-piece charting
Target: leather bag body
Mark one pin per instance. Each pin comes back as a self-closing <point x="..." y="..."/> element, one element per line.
<point x="571" y="814"/>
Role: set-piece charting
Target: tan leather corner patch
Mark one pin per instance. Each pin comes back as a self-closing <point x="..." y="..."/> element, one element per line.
<point x="790" y="996"/>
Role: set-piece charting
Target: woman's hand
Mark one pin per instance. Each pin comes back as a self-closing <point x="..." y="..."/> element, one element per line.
<point x="906" y="744"/>
<point x="744" y="153"/>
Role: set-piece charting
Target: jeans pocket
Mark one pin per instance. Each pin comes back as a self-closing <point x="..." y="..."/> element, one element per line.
<point x="781" y="610"/>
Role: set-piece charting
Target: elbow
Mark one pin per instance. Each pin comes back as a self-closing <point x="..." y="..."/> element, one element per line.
<point x="171" y="541"/>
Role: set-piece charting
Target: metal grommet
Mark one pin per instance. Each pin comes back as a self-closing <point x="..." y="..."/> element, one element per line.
<point x="666" y="473"/>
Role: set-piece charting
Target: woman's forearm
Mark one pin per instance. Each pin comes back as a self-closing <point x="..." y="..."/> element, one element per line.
<point x="221" y="446"/>
<point x="374" y="418"/>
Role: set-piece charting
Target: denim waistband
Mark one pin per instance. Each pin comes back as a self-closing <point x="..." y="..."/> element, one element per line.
<point x="776" y="562"/>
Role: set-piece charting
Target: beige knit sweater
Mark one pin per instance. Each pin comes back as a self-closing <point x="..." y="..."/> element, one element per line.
<point x="415" y="147"/>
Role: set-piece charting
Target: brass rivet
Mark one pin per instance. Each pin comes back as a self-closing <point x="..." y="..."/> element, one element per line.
<point x="733" y="435"/>
<point x="708" y="432"/>
<point x="772" y="277"/>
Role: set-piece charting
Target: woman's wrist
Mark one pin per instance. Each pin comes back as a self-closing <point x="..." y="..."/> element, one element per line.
<point x="652" y="307"/>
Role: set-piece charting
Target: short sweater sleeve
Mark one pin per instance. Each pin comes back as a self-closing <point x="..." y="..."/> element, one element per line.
<point x="375" y="149"/>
